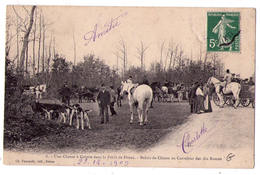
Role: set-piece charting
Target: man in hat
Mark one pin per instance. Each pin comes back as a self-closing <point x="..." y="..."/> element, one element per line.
<point x="65" y="93"/>
<point x="130" y="80"/>
<point x="192" y="98"/>
<point x="103" y="100"/>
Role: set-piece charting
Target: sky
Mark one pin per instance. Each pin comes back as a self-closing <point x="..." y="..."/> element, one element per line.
<point x="185" y="27"/>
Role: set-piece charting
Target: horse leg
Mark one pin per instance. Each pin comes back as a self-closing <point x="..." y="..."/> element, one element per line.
<point x="140" y="115"/>
<point x="82" y="120"/>
<point x="236" y="95"/>
<point x="64" y="117"/>
<point x="221" y="100"/>
<point x="87" y="119"/>
<point x="71" y="116"/>
<point x="146" y="113"/>
<point x="132" y="113"/>
<point x="77" y="117"/>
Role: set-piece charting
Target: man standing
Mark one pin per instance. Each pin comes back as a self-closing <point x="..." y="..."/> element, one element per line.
<point x="103" y="100"/>
<point x="65" y="93"/>
<point x="192" y="98"/>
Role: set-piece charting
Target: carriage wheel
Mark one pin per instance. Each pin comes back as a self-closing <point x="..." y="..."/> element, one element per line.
<point x="229" y="101"/>
<point x="253" y="103"/>
<point x="245" y="102"/>
<point x="216" y="99"/>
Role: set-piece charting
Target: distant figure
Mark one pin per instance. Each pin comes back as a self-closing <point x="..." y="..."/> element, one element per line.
<point x="81" y="92"/>
<point x="251" y="82"/>
<point x="119" y="98"/>
<point x="145" y="81"/>
<point x="113" y="100"/>
<point x="103" y="100"/>
<point x="200" y="99"/>
<point x="192" y="98"/>
<point x="65" y="93"/>
<point x="130" y="79"/>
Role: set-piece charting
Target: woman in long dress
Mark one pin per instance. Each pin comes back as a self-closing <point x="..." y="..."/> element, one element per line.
<point x="207" y="102"/>
<point x="200" y="99"/>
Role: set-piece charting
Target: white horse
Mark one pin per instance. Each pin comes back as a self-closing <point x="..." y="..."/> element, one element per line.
<point x="232" y="87"/>
<point x="142" y="95"/>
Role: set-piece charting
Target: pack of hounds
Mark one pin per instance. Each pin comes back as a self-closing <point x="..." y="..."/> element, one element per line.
<point x="65" y="114"/>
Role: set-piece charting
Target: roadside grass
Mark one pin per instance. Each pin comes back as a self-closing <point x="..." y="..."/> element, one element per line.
<point x="34" y="134"/>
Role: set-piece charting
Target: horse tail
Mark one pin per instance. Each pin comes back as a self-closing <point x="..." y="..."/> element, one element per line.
<point x="239" y="89"/>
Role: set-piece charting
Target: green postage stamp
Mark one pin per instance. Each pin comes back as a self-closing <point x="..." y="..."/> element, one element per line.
<point x="223" y="32"/>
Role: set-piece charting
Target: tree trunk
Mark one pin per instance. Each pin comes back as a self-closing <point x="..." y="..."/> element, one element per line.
<point x="39" y="46"/>
<point x="74" y="44"/>
<point x="26" y="40"/>
<point x="17" y="44"/>
<point x="34" y="37"/>
<point x="26" y="61"/>
<point x="43" y="44"/>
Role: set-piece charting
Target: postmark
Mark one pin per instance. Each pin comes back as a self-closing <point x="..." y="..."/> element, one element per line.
<point x="223" y="31"/>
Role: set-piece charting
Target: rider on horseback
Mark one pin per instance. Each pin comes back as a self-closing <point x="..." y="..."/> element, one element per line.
<point x="130" y="79"/>
<point x="227" y="79"/>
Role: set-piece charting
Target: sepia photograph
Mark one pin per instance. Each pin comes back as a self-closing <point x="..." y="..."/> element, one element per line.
<point x="129" y="86"/>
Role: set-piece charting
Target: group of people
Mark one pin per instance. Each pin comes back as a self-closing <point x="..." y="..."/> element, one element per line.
<point x="199" y="98"/>
<point x="106" y="100"/>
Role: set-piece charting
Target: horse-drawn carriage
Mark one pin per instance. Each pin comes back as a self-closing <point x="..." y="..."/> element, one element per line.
<point x="246" y="96"/>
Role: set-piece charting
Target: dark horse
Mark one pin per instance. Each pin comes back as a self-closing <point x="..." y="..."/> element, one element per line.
<point x="157" y="93"/>
<point x="87" y="94"/>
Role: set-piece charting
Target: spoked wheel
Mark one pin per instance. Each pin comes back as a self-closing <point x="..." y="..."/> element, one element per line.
<point x="253" y="103"/>
<point x="215" y="99"/>
<point x="245" y="102"/>
<point x="229" y="101"/>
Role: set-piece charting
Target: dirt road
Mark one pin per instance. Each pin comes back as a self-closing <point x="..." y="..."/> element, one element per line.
<point x="224" y="128"/>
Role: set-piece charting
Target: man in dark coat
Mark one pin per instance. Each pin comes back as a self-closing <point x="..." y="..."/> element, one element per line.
<point x="103" y="100"/>
<point x="145" y="80"/>
<point x="192" y="98"/>
<point x="65" y="93"/>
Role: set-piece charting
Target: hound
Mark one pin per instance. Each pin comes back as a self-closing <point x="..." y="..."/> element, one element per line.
<point x="81" y="115"/>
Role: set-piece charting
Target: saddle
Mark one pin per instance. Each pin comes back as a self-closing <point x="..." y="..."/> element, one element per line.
<point x="222" y="91"/>
<point x="133" y="89"/>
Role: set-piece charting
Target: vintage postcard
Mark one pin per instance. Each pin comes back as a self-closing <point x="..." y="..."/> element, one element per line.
<point x="129" y="86"/>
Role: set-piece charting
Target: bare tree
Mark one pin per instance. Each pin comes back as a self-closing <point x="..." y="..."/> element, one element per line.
<point x="74" y="46"/>
<point x="39" y="43"/>
<point x="34" y="38"/>
<point x="172" y="54"/>
<point x="161" y="53"/>
<point x="26" y="39"/>
<point x="141" y="54"/>
<point x="17" y="43"/>
<point x="53" y="45"/>
<point x="43" y="44"/>
<point x="122" y="54"/>
<point x="179" y="58"/>
<point x="8" y="39"/>
<point x="117" y="60"/>
<point x="49" y="56"/>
